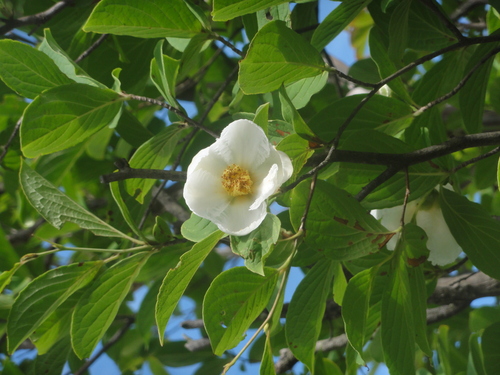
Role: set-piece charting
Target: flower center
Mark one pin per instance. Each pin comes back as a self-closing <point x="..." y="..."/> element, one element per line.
<point x="236" y="181"/>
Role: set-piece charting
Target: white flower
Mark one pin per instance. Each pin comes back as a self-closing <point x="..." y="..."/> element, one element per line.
<point x="228" y="182"/>
<point x="442" y="246"/>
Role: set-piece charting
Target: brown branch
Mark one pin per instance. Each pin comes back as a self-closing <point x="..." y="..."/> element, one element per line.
<point x="178" y="112"/>
<point x="464" y="288"/>
<point x="10" y="140"/>
<point x="228" y="44"/>
<point x="496" y="150"/>
<point x="154" y="174"/>
<point x="34" y="19"/>
<point x="92" y="48"/>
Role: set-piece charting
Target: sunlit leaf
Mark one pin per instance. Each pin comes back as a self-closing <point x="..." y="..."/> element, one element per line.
<point x="234" y="300"/>
<point x="97" y="308"/>
<point x="277" y="55"/>
<point x="143" y="19"/>
<point x="43" y="295"/>
<point x="178" y="278"/>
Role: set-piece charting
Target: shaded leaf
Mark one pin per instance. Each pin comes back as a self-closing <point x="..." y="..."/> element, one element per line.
<point x="197" y="228"/>
<point x="305" y="313"/>
<point x="474" y="230"/>
<point x="336" y="223"/>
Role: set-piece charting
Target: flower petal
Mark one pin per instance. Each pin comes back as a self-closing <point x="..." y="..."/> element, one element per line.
<point x="267" y="187"/>
<point x="391" y="218"/>
<point x="238" y="220"/>
<point x="443" y="247"/>
<point x="287" y="167"/>
<point x="243" y="143"/>
<point x="204" y="194"/>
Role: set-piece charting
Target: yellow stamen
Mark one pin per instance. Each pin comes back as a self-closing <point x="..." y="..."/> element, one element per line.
<point x="236" y="181"/>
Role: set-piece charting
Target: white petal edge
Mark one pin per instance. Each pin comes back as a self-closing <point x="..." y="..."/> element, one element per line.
<point x="239" y="220"/>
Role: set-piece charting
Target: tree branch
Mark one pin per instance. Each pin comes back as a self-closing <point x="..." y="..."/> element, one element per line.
<point x="173" y="109"/>
<point x="92" y="48"/>
<point x="35" y="19"/>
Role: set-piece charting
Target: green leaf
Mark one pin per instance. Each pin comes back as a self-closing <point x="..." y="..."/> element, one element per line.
<point x="301" y="91"/>
<point x="255" y="247"/>
<point x="305" y="312"/>
<point x="197" y="228"/>
<point x="267" y="363"/>
<point x="476" y="353"/>
<point x="262" y="117"/>
<point x="474" y="230"/>
<point x="277" y="55"/>
<point x="58" y="209"/>
<point x="415" y="248"/>
<point x="398" y="330"/>
<point x="164" y="70"/>
<point x="178" y="278"/>
<point x="441" y="78"/>
<point x="339" y="283"/>
<point x="228" y="9"/>
<point x="490" y="341"/>
<point x="143" y="19"/>
<point x="28" y="71"/>
<point x="381" y="113"/>
<point x="355" y="307"/>
<point x="161" y="230"/>
<point x="379" y="52"/>
<point x="97" y="308"/>
<point x="234" y="300"/>
<point x="6" y="276"/>
<point x="426" y="31"/>
<point x="57" y="325"/>
<point x="336" y="223"/>
<point x="153" y="154"/>
<point x="418" y="301"/>
<point x="353" y="177"/>
<point x="53" y="362"/>
<point x="43" y="295"/>
<point x="472" y="95"/>
<point x="292" y="116"/>
<point x="297" y="148"/>
<point x="398" y="30"/>
<point x="146" y="315"/>
<point x="117" y="196"/>
<point x="64" y="116"/>
<point x="65" y="64"/>
<point x="336" y="22"/>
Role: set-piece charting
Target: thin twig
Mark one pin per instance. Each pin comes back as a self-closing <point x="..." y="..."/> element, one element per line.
<point x="35" y="19"/>
<point x="154" y="174"/>
<point x="10" y="140"/>
<point x="407" y="196"/>
<point x="92" y="48"/>
<point x="228" y="44"/>
<point x="173" y="109"/>
<point x="116" y="337"/>
<point x="444" y="19"/>
<point x="373" y="184"/>
<point x="476" y="159"/>
<point x="460" y="85"/>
